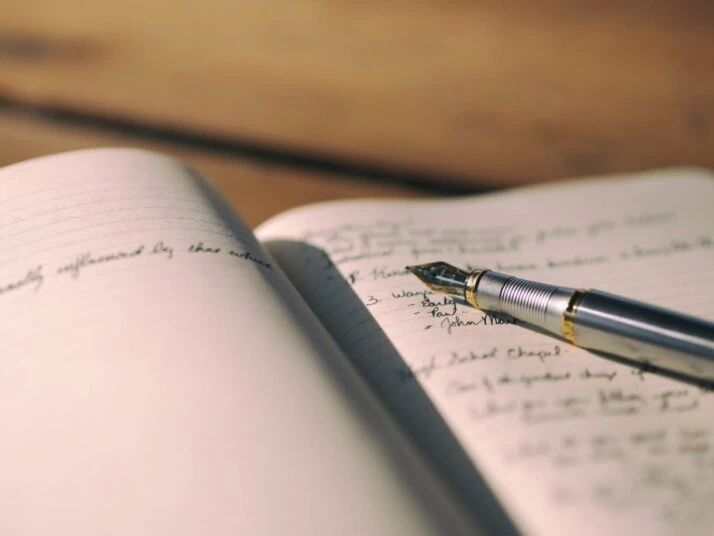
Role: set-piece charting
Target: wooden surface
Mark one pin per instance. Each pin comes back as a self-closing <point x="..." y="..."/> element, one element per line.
<point x="257" y="191"/>
<point x="488" y="92"/>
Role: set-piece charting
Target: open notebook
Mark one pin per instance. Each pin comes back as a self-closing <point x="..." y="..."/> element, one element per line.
<point x="162" y="371"/>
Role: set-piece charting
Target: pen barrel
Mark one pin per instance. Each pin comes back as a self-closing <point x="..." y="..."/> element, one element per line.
<point x="646" y="334"/>
<point x="606" y="323"/>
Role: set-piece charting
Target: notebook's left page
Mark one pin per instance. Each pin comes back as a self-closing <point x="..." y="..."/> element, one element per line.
<point x="158" y="375"/>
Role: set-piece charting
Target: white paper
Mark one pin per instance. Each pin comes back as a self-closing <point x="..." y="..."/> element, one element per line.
<point x="571" y="443"/>
<point x="158" y="376"/>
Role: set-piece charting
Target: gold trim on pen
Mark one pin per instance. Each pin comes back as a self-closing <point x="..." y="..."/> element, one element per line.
<point x="568" y="323"/>
<point x="471" y="284"/>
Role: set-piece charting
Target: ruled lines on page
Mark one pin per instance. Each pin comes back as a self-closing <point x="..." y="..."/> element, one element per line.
<point x="108" y="211"/>
<point x="158" y="375"/>
<point x="569" y="441"/>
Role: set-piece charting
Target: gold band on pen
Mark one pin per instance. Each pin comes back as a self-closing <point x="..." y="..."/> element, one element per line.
<point x="568" y="324"/>
<point x="471" y="284"/>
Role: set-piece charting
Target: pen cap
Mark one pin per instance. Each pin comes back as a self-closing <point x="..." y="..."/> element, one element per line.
<point x="645" y="333"/>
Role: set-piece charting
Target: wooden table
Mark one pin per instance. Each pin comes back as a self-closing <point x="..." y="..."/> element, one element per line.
<point x="317" y="100"/>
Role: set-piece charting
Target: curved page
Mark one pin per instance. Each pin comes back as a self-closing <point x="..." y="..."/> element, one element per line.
<point x="159" y="376"/>
<point x="569" y="442"/>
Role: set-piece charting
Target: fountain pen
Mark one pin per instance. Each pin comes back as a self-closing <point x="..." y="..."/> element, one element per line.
<point x="653" y="337"/>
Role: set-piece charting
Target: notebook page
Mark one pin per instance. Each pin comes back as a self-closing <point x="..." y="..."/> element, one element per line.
<point x="159" y="376"/>
<point x="570" y="443"/>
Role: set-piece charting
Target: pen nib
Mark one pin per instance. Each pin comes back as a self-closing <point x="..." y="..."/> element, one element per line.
<point x="441" y="277"/>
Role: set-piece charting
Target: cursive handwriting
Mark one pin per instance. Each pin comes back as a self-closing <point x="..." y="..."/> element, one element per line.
<point x="248" y="256"/>
<point x="450" y="324"/>
<point x="33" y="278"/>
<point x="86" y="260"/>
<point x="589" y="430"/>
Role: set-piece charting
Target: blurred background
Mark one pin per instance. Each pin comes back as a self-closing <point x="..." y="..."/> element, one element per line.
<point x="291" y="101"/>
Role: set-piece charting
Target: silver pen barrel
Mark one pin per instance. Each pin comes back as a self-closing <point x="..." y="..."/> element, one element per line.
<point x="595" y="320"/>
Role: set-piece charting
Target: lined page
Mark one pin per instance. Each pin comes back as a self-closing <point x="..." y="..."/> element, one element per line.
<point x="569" y="442"/>
<point x="159" y="376"/>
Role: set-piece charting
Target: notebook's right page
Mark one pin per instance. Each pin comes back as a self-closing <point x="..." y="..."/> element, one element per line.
<point x="569" y="442"/>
